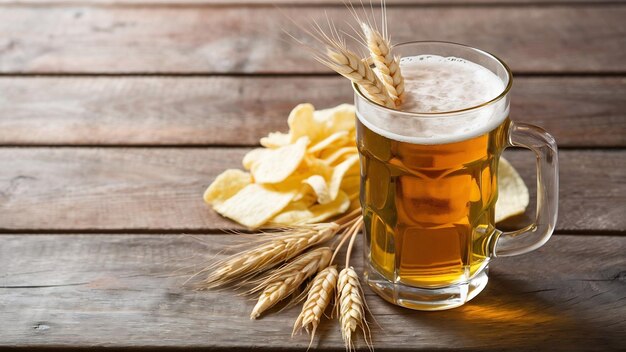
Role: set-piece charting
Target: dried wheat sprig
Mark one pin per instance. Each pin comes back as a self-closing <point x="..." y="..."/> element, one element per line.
<point x="350" y="232"/>
<point x="388" y="66"/>
<point x="349" y="65"/>
<point x="285" y="280"/>
<point x="351" y="306"/>
<point x="340" y="59"/>
<point x="278" y="249"/>
<point x="320" y="294"/>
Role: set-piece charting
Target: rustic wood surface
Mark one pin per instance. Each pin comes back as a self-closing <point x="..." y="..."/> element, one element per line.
<point x="234" y="39"/>
<point x="80" y="189"/>
<point x="116" y="114"/>
<point x="125" y="291"/>
<point x="195" y="110"/>
<point x="304" y="3"/>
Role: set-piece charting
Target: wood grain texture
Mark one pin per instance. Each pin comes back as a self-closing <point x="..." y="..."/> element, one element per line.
<point x="578" y="111"/>
<point x="125" y="291"/>
<point x="156" y="189"/>
<point x="297" y="2"/>
<point x="226" y="39"/>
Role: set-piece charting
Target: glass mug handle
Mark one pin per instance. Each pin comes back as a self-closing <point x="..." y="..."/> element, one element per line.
<point x="536" y="234"/>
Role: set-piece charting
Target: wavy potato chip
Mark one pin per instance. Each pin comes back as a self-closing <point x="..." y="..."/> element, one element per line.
<point x="299" y="213"/>
<point x="320" y="187"/>
<point x="338" y="154"/>
<point x="253" y="157"/>
<point x="321" y="212"/>
<point x="226" y="185"/>
<point x="339" y="118"/>
<point x="315" y="166"/>
<point x="275" y="165"/>
<point x="276" y="140"/>
<point x="513" y="197"/>
<point x="336" y="139"/>
<point x="255" y="204"/>
<point x="339" y="172"/>
<point x="302" y="123"/>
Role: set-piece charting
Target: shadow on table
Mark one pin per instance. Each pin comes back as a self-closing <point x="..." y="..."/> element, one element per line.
<point x="508" y="314"/>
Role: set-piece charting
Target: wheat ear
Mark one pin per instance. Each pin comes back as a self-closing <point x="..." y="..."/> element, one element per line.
<point x="387" y="65"/>
<point x="351" y="305"/>
<point x="349" y="65"/>
<point x="278" y="249"/>
<point x="320" y="294"/>
<point x="285" y="280"/>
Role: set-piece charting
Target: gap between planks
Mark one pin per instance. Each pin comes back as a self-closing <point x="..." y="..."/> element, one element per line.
<point x="312" y="4"/>
<point x="219" y="232"/>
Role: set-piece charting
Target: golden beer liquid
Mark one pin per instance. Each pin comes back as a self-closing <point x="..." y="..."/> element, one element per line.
<point x="429" y="209"/>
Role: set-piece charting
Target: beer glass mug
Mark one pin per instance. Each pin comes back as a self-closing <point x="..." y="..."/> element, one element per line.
<point x="429" y="188"/>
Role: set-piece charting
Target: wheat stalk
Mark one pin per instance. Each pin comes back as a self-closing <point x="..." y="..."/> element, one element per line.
<point x="278" y="249"/>
<point x="351" y="305"/>
<point x="285" y="280"/>
<point x="319" y="296"/>
<point x="388" y="66"/>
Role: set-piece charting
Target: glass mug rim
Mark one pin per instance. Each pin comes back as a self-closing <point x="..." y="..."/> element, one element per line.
<point x="452" y="113"/>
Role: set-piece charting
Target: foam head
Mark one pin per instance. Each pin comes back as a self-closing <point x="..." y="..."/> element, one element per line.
<point x="436" y="88"/>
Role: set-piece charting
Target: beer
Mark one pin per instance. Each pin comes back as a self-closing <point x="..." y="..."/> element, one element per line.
<point x="429" y="203"/>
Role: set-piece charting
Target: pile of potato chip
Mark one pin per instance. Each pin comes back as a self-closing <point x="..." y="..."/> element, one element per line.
<point x="312" y="174"/>
<point x="305" y="176"/>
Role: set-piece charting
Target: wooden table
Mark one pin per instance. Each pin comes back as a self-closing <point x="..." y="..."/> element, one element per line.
<point x="116" y="114"/>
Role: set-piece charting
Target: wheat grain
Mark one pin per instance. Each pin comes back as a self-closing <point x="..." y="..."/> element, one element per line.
<point x="285" y="280"/>
<point x="351" y="305"/>
<point x="349" y="65"/>
<point x="277" y="249"/>
<point x="320" y="294"/>
<point x="388" y="66"/>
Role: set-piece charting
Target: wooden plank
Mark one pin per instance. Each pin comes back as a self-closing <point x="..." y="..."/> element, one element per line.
<point x="125" y="291"/>
<point x="198" y="39"/>
<point x="307" y="3"/>
<point x="578" y="111"/>
<point x="159" y="189"/>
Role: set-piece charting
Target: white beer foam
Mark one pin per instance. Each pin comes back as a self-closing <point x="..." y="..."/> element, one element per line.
<point x="436" y="84"/>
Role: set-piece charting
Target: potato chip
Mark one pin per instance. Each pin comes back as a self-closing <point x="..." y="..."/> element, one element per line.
<point x="276" y="140"/>
<point x="226" y="185"/>
<point x="337" y="139"/>
<point x="277" y="164"/>
<point x="320" y="187"/>
<point x="339" y="172"/>
<point x="321" y="212"/>
<point x="315" y="166"/>
<point x="302" y="124"/>
<point x="294" y="214"/>
<point x="253" y="157"/>
<point x="298" y="213"/>
<point x="339" y="118"/>
<point x="306" y="195"/>
<point x="513" y="197"/>
<point x="338" y="154"/>
<point x="255" y="204"/>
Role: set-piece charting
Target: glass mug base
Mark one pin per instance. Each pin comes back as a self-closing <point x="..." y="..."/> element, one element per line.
<point x="427" y="299"/>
